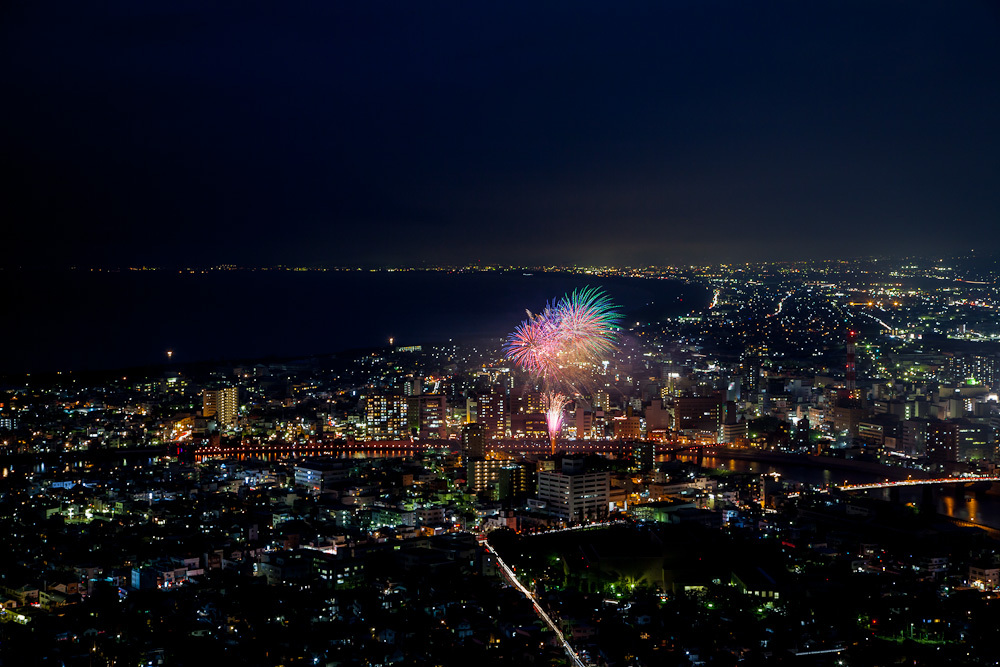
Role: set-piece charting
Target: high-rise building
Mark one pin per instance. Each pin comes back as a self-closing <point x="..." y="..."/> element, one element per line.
<point x="493" y="415"/>
<point x="412" y="387"/>
<point x="528" y="402"/>
<point x="583" y="420"/>
<point x="942" y="441"/>
<point x="913" y="436"/>
<point x="846" y="414"/>
<point x="600" y="422"/>
<point x="427" y="416"/>
<point x="851" y="373"/>
<point x="222" y="404"/>
<point x="507" y="479"/>
<point x="657" y="416"/>
<point x="480" y="473"/>
<point x="514" y="481"/>
<point x="961" y="368"/>
<point x="802" y="432"/>
<point x="643" y="454"/>
<point x="975" y="441"/>
<point x="385" y="417"/>
<point x="751" y="364"/>
<point x="733" y="433"/>
<point x="874" y="429"/>
<point x="700" y="413"/>
<point x="473" y="441"/>
<point x="573" y="494"/>
<point x="7" y="423"/>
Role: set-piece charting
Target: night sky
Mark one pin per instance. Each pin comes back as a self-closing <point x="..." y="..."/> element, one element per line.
<point x="331" y="133"/>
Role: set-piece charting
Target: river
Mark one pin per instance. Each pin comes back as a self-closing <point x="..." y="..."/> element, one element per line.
<point x="974" y="504"/>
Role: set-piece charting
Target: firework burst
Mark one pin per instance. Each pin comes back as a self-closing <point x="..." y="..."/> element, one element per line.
<point x="534" y="345"/>
<point x="587" y="322"/>
<point x="578" y="329"/>
<point x="556" y="346"/>
<point x="554" y="404"/>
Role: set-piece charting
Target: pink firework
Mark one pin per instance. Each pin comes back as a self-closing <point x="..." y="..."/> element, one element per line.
<point x="578" y="329"/>
<point x="534" y="345"/>
<point x="554" y="404"/>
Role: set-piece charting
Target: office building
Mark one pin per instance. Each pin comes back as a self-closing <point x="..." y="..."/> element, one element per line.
<point x="698" y="413"/>
<point x="572" y="494"/>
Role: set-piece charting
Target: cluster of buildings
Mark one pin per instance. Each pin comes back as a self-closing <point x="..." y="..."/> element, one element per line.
<point x="355" y="492"/>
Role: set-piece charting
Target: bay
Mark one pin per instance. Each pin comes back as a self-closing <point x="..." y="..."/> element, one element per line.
<point x="89" y="320"/>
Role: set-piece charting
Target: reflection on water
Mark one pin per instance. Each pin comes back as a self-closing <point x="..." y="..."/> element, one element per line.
<point x="958" y="502"/>
<point x="804" y="473"/>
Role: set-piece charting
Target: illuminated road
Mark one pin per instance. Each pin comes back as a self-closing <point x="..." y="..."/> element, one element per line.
<point x="882" y="322"/>
<point x="781" y="305"/>
<point x="574" y="658"/>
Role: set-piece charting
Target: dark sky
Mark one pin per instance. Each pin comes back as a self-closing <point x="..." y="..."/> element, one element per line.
<point x="337" y="133"/>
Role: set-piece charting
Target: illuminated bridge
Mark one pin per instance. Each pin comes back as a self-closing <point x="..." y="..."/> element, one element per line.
<point x="911" y="482"/>
<point x="336" y="448"/>
<point x="617" y="448"/>
<point x="919" y="482"/>
<point x="270" y="450"/>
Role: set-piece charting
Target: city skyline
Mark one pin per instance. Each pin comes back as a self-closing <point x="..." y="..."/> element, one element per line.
<point x="395" y="135"/>
<point x="763" y="462"/>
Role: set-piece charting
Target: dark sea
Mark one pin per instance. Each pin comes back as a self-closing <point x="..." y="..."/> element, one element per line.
<point x="83" y="320"/>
